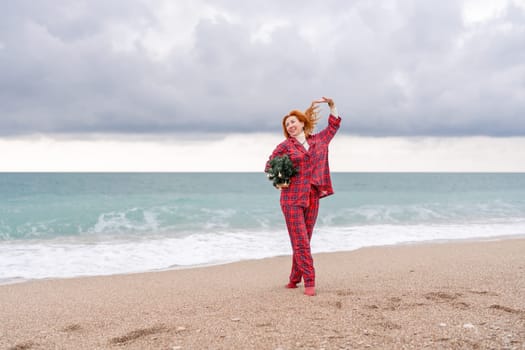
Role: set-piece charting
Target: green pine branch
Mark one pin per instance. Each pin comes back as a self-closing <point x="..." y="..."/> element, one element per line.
<point x="281" y="170"/>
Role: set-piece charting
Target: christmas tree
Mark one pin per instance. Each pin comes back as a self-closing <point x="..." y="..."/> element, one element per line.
<point x="280" y="171"/>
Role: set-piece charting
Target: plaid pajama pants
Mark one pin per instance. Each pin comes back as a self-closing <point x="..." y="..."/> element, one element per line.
<point x="300" y="222"/>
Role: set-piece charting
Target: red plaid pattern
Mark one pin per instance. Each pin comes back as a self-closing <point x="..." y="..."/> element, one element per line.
<point x="300" y="201"/>
<point x="300" y="222"/>
<point x="313" y="165"/>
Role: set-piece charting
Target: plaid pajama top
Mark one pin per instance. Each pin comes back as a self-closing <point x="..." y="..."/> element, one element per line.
<point x="312" y="165"/>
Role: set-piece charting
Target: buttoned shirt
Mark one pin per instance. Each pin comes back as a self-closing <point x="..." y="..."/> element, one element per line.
<point x="312" y="165"/>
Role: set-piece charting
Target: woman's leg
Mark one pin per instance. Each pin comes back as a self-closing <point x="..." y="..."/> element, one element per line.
<point x="302" y="265"/>
<point x="311" y="212"/>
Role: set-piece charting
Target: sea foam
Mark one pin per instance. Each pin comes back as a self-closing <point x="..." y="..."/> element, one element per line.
<point x="105" y="255"/>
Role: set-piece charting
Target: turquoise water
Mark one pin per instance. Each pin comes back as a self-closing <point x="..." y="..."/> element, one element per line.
<point x="97" y="223"/>
<point x="54" y="205"/>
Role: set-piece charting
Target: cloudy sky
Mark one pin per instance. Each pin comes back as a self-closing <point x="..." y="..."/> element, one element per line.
<point x="195" y="85"/>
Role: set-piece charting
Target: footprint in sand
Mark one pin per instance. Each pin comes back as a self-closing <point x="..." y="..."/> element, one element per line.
<point x="23" y="346"/>
<point x="484" y="292"/>
<point x="136" y="334"/>
<point x="441" y="296"/>
<point x="72" y="328"/>
<point x="506" y="309"/>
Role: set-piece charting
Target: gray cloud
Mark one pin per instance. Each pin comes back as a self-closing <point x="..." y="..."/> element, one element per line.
<point x="406" y="69"/>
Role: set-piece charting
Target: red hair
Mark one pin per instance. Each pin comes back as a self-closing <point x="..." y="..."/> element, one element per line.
<point x="308" y="117"/>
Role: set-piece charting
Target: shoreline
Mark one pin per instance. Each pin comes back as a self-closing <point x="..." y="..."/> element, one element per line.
<point x="466" y="294"/>
<point x="17" y="280"/>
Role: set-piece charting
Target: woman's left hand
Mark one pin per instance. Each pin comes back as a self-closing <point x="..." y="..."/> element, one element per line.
<point x="324" y="100"/>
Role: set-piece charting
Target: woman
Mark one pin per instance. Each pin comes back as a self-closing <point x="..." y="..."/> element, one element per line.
<point x="300" y="200"/>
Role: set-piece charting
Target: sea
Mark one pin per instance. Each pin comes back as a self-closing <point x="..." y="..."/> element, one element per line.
<point x="61" y="225"/>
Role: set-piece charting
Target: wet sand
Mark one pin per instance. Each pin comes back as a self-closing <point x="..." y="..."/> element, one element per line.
<point x="461" y="295"/>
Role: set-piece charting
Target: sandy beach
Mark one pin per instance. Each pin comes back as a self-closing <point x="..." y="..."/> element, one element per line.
<point x="461" y="295"/>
